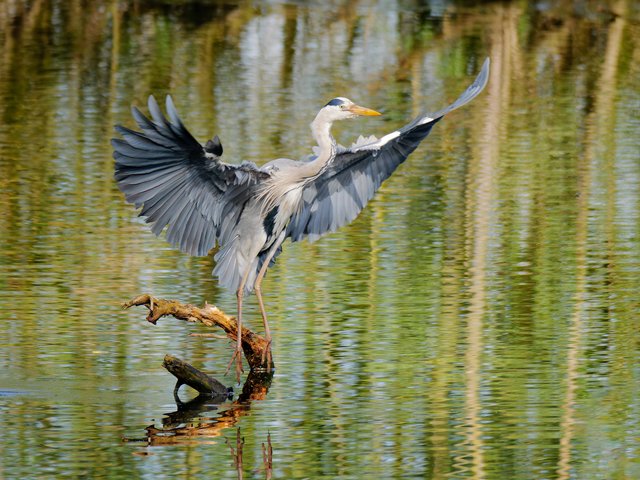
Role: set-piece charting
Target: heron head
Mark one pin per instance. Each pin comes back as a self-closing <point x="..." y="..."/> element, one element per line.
<point x="341" y="108"/>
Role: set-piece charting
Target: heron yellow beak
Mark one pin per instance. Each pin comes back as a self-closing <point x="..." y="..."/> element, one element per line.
<point x="358" y="110"/>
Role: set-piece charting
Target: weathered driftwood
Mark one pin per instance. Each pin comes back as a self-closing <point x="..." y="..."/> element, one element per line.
<point x="253" y="344"/>
<point x="188" y="375"/>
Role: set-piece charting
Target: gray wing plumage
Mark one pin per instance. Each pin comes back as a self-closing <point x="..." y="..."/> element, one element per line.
<point x="341" y="191"/>
<point x="164" y="170"/>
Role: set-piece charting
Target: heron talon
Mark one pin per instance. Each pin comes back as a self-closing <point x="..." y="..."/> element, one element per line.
<point x="266" y="355"/>
<point x="237" y="356"/>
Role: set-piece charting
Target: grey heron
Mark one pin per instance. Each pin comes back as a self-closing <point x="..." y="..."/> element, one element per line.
<point x="249" y="210"/>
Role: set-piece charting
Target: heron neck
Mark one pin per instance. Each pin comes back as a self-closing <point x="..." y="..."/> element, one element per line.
<point x="322" y="133"/>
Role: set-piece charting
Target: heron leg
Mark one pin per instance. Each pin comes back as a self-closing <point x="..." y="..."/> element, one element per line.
<point x="266" y="354"/>
<point x="237" y="353"/>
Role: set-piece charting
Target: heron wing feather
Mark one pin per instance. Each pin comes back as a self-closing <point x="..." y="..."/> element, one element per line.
<point x="338" y="195"/>
<point x="165" y="171"/>
<point x="350" y="180"/>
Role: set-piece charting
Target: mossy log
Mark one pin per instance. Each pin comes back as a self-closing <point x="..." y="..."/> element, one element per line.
<point x="253" y="344"/>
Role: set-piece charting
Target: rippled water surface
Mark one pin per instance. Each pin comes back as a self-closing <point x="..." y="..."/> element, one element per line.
<point x="478" y="320"/>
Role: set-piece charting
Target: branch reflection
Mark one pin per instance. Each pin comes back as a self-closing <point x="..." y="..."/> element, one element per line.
<point x="189" y="423"/>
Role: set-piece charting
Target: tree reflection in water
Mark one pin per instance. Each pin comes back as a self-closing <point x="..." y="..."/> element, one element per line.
<point x="513" y="261"/>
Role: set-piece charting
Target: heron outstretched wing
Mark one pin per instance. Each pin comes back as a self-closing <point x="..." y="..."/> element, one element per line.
<point x="350" y="180"/>
<point x="178" y="182"/>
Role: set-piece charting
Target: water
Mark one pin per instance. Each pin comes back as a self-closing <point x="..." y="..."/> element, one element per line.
<point x="478" y="320"/>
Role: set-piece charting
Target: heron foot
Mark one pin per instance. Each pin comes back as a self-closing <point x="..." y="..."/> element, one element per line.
<point x="237" y="356"/>
<point x="267" y="361"/>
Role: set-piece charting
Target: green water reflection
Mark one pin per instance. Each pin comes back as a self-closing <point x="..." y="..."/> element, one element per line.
<point x="478" y="320"/>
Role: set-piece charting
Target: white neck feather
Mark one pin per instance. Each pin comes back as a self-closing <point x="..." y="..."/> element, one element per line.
<point x="286" y="180"/>
<point x="321" y="129"/>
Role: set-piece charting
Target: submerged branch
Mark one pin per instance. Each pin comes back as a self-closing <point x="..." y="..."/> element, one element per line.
<point x="189" y="375"/>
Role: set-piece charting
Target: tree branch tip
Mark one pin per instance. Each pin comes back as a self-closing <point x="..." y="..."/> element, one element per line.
<point x="144" y="299"/>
